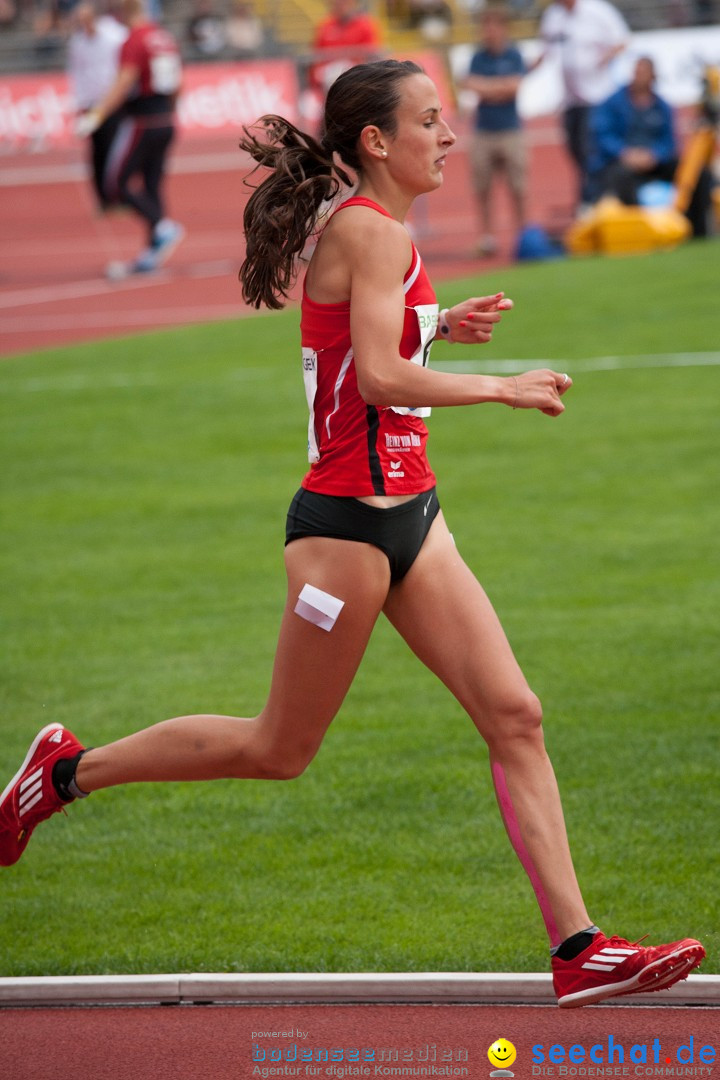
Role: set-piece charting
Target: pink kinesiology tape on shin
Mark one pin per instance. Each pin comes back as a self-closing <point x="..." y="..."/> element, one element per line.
<point x="513" y="830"/>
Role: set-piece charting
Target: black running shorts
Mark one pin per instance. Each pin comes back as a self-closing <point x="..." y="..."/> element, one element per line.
<point x="399" y="531"/>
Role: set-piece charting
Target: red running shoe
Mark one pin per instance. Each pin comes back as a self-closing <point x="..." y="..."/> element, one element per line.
<point x="613" y="966"/>
<point x="30" y="797"/>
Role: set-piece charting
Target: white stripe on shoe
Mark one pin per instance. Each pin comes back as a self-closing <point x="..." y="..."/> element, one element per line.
<point x="28" y="757"/>
<point x="30" y="792"/>
<point x="29" y="805"/>
<point x="608" y="959"/>
<point x="31" y="779"/>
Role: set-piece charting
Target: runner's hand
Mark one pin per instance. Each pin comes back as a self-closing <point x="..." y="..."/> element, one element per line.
<point x="86" y="123"/>
<point x="472" y="321"/>
<point x="541" y="389"/>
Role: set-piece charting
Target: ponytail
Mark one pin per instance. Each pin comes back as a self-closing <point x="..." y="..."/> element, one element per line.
<point x="280" y="214"/>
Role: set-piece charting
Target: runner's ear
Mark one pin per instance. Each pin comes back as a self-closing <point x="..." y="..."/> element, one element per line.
<point x="372" y="142"/>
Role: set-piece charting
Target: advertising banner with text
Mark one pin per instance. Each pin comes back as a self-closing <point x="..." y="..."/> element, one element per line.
<point x="37" y="111"/>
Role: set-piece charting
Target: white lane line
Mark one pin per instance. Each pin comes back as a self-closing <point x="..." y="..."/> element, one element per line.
<point x="69" y="171"/>
<point x="80" y="290"/>
<point x="590" y="363"/>
<point x="117" y="380"/>
<point x="145" y="317"/>
<point x="74" y="290"/>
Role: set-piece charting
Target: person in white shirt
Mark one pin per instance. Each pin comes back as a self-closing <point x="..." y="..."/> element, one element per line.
<point x="585" y="36"/>
<point x="92" y="65"/>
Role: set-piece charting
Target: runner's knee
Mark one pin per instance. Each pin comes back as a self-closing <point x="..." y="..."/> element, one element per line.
<point x="283" y="767"/>
<point x="516" y="717"/>
<point x="281" y="759"/>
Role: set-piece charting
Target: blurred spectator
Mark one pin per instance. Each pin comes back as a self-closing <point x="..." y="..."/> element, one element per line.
<point x="348" y="36"/>
<point x="51" y="23"/>
<point x="704" y="13"/>
<point x="433" y="18"/>
<point x="632" y="138"/>
<point x="47" y="32"/>
<point x="146" y="88"/>
<point x="245" y="31"/>
<point x="206" y="31"/>
<point x="678" y="13"/>
<point x="633" y="143"/>
<point x="692" y="12"/>
<point x="498" y="145"/>
<point x="586" y="36"/>
<point x="8" y="13"/>
<point x="92" y="64"/>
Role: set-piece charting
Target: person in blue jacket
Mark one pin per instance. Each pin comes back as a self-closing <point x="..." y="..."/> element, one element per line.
<point x="633" y="142"/>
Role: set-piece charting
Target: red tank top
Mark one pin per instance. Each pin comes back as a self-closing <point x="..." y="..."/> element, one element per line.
<point x="355" y="448"/>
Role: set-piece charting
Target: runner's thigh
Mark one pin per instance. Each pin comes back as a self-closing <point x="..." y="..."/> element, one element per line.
<point x="445" y="616"/>
<point x="314" y="667"/>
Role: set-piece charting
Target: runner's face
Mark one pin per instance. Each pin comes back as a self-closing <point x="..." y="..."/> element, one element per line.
<point x="417" y="150"/>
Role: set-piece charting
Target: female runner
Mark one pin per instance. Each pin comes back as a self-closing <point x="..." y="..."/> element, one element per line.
<point x="365" y="533"/>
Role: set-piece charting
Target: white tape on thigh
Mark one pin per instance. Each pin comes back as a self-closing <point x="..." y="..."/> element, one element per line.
<point x="318" y="607"/>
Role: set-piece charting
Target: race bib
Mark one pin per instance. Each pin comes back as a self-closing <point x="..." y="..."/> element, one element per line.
<point x="309" y="363"/>
<point x="165" y="73"/>
<point x="427" y="316"/>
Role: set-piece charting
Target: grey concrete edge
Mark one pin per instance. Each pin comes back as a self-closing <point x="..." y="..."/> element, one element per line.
<point x="324" y="988"/>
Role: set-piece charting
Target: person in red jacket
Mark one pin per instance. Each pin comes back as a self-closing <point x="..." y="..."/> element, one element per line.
<point x="346" y="37"/>
<point x="146" y="88"/>
<point x="365" y="534"/>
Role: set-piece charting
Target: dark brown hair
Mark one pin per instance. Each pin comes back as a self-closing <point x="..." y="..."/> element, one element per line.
<point x="304" y="172"/>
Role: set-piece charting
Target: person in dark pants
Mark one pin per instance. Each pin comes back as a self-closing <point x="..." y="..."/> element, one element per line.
<point x="92" y="64"/>
<point x="585" y="36"/>
<point x="146" y="87"/>
<point x="632" y="142"/>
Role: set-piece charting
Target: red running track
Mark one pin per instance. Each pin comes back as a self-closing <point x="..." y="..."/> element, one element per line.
<point x="182" y="1042"/>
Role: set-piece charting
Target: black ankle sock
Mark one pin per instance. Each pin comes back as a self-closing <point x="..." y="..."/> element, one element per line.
<point x="574" y="945"/>
<point x="63" y="778"/>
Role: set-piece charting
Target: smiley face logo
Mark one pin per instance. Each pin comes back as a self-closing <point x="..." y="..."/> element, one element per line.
<point x="501" y="1054"/>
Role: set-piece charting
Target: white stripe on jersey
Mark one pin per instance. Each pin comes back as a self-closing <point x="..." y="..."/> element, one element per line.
<point x="338" y="384"/>
<point x="412" y="276"/>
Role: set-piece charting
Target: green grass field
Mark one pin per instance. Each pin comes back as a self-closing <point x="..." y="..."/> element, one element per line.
<point x="145" y="487"/>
